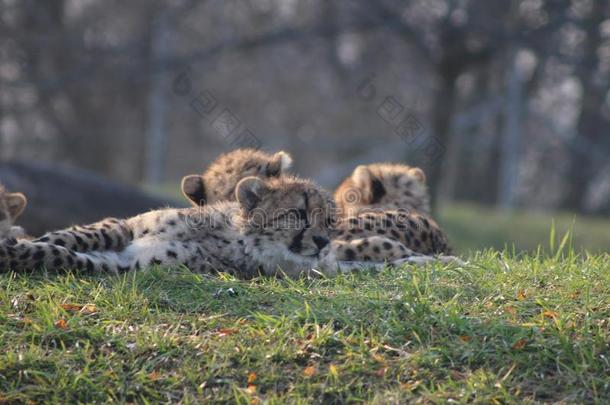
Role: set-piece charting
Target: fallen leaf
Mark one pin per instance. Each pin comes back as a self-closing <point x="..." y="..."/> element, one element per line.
<point x="222" y="332"/>
<point x="381" y="372"/>
<point x="511" y="310"/>
<point x="332" y="369"/>
<point x="550" y="314"/>
<point x="519" y="344"/>
<point x="251" y="377"/>
<point x="410" y="386"/>
<point x="251" y="389"/>
<point x="310" y="371"/>
<point x="521" y="295"/>
<point x="465" y="338"/>
<point x="88" y="309"/>
<point x="378" y="358"/>
<point x="61" y="324"/>
<point x="154" y="376"/>
<point x="71" y="307"/>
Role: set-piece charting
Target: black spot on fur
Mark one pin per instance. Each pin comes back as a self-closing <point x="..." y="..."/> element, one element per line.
<point x="376" y="249"/>
<point x="387" y="245"/>
<point x="59" y="242"/>
<point x="350" y="254"/>
<point x="378" y="191"/>
<point x="107" y="239"/>
<point x="90" y="266"/>
<point x="38" y="255"/>
<point x="171" y="253"/>
<point x="57" y="262"/>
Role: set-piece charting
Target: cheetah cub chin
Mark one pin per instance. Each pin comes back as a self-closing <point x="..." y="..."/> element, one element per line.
<point x="218" y="182"/>
<point x="271" y="225"/>
<point x="11" y="206"/>
<point x="383" y="186"/>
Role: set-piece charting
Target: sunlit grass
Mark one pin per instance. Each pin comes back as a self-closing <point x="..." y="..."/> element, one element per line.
<point x="502" y="329"/>
<point x="473" y="227"/>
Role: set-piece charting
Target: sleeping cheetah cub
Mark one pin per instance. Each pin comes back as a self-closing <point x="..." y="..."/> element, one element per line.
<point x="390" y="201"/>
<point x="11" y="206"/>
<point x="218" y="182"/>
<point x="245" y="238"/>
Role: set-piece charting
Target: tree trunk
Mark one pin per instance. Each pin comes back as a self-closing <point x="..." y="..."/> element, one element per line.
<point x="444" y="107"/>
<point x="591" y="125"/>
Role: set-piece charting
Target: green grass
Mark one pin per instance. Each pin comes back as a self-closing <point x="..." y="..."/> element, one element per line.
<point x="472" y="227"/>
<point x="503" y="329"/>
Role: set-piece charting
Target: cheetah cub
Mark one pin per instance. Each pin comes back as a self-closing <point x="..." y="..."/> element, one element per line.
<point x="248" y="237"/>
<point x="11" y="206"/>
<point x="390" y="201"/>
<point x="218" y="182"/>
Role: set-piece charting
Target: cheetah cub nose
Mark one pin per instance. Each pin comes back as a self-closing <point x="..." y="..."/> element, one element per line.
<point x="320" y="241"/>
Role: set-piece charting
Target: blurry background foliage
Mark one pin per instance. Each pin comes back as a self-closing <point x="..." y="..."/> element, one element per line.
<point x="503" y="103"/>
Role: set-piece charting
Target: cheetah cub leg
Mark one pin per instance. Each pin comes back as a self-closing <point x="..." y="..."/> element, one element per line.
<point x="109" y="234"/>
<point x="371" y="249"/>
<point x="422" y="260"/>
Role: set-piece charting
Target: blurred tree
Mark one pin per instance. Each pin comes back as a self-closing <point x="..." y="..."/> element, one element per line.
<point x="593" y="123"/>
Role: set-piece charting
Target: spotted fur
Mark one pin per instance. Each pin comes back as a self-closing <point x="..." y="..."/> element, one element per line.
<point x="245" y="238"/>
<point x="390" y="201"/>
<point x="218" y="182"/>
<point x="383" y="186"/>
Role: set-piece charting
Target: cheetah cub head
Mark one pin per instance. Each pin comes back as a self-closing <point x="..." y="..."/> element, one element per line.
<point x="383" y="186"/>
<point x="11" y="206"/>
<point x="285" y="217"/>
<point x="219" y="180"/>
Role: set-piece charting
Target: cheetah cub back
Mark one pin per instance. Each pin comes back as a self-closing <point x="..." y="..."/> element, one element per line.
<point x="218" y="182"/>
<point x="11" y="206"/>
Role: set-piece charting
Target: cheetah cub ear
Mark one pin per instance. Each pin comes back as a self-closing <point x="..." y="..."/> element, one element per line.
<point x="418" y="174"/>
<point x="279" y="164"/>
<point x="250" y="191"/>
<point x="363" y="180"/>
<point x="15" y="202"/>
<point x="193" y="188"/>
